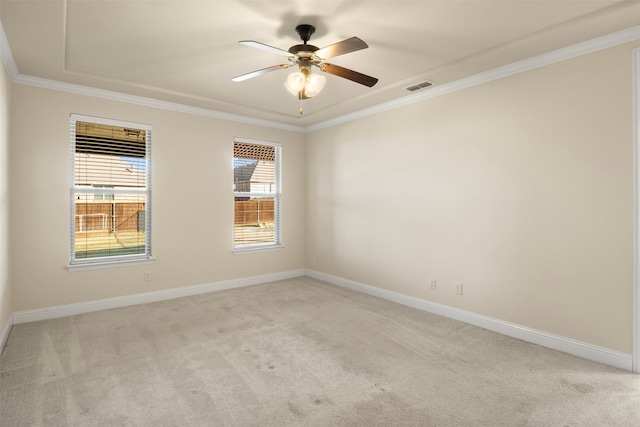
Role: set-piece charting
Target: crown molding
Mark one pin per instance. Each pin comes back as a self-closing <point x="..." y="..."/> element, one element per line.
<point x="583" y="48"/>
<point x="7" y="56"/>
<point x="16" y="77"/>
<point x="149" y="102"/>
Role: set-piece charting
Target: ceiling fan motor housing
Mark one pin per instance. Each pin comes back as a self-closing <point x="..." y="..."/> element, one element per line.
<point x="302" y="48"/>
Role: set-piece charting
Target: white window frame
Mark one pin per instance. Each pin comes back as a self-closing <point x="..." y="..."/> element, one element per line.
<point x="277" y="201"/>
<point x="110" y="261"/>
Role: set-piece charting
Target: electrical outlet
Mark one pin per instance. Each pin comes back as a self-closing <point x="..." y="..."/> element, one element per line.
<point x="459" y="289"/>
<point x="432" y="284"/>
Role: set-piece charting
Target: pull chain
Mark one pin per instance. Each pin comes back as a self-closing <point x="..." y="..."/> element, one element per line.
<point x="300" y="98"/>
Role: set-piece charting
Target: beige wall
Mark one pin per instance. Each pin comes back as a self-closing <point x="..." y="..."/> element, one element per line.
<point x="6" y="306"/>
<point x="192" y="201"/>
<point x="520" y="188"/>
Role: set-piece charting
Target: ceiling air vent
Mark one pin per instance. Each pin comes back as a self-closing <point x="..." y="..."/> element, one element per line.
<point x="419" y="86"/>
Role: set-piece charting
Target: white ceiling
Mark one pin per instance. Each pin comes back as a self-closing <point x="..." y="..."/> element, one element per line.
<point x="186" y="52"/>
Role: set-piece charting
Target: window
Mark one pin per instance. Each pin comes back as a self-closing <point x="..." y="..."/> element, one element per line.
<point x="103" y="196"/>
<point x="257" y="193"/>
<point x="110" y="192"/>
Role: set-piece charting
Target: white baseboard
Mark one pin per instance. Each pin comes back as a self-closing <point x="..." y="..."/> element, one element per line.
<point x="5" y="332"/>
<point x="555" y="342"/>
<point x="124" y="301"/>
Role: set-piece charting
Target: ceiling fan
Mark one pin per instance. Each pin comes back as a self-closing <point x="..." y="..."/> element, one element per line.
<point x="303" y="83"/>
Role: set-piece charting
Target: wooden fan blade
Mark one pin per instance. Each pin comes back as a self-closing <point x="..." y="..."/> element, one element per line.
<point x="260" y="72"/>
<point x="346" y="73"/>
<point x="266" y="47"/>
<point x="340" y="48"/>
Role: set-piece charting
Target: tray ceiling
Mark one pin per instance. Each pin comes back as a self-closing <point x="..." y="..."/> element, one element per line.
<point x="186" y="52"/>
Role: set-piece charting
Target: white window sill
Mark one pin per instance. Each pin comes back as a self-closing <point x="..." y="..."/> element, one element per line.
<point x="254" y="249"/>
<point x="102" y="264"/>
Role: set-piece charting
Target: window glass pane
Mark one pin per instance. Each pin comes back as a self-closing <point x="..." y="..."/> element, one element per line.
<point x="109" y="156"/>
<point x="95" y="138"/>
<point x="110" y="194"/>
<point x="100" y="170"/>
<point x="256" y="194"/>
<point x="254" y="221"/>
<point x="254" y="168"/>
<point x="110" y="228"/>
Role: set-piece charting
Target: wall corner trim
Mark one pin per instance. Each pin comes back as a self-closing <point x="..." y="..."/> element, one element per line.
<point x="129" y="300"/>
<point x="555" y="342"/>
<point x="636" y="210"/>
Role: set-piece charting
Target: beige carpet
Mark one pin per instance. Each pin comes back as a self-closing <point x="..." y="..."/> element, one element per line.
<point x="297" y="352"/>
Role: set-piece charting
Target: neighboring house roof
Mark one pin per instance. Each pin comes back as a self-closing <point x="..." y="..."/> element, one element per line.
<point x="244" y="173"/>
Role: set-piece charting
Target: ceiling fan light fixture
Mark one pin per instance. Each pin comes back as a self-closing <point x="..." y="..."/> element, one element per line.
<point x="303" y="84"/>
<point x="315" y="84"/>
<point x="309" y="84"/>
<point x="295" y="82"/>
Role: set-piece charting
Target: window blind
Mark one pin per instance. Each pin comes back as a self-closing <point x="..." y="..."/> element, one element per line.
<point x="110" y="191"/>
<point x="109" y="156"/>
<point x="256" y="178"/>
